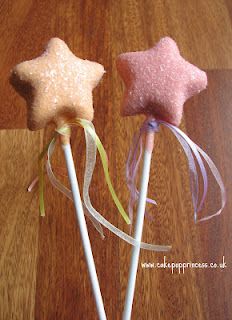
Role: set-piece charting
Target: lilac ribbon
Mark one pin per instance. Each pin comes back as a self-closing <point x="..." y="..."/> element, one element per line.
<point x="133" y="161"/>
<point x="191" y="150"/>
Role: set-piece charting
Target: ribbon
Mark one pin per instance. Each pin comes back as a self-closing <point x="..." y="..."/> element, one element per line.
<point x="93" y="143"/>
<point x="191" y="150"/>
<point x="41" y="175"/>
<point x="57" y="184"/>
<point x="132" y="165"/>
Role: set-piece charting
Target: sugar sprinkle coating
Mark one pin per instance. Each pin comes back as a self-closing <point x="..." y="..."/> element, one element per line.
<point x="158" y="81"/>
<point x="61" y="85"/>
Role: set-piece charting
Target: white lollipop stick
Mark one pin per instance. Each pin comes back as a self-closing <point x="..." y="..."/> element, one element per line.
<point x="139" y="225"/>
<point x="83" y="231"/>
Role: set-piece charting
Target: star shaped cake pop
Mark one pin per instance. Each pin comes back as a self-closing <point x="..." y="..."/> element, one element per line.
<point x="57" y="85"/>
<point x="158" y="81"/>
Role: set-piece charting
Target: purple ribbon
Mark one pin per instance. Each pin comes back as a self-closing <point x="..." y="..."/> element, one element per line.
<point x="193" y="153"/>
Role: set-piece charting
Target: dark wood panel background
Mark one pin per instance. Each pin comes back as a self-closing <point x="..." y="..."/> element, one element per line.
<point x="42" y="267"/>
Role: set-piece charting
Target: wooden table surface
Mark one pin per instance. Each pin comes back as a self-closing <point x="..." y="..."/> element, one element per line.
<point x="42" y="268"/>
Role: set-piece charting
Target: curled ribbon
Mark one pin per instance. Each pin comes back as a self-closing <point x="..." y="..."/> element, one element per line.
<point x="93" y="143"/>
<point x="190" y="149"/>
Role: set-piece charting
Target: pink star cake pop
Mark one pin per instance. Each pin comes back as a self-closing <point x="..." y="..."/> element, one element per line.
<point x="159" y="81"/>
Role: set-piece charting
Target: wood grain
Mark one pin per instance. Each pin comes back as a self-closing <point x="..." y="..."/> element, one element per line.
<point x="19" y="227"/>
<point x="42" y="268"/>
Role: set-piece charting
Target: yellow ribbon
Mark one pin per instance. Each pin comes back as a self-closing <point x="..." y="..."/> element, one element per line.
<point x="104" y="159"/>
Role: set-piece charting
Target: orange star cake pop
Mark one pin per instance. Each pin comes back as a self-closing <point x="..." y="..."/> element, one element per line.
<point x="60" y="83"/>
